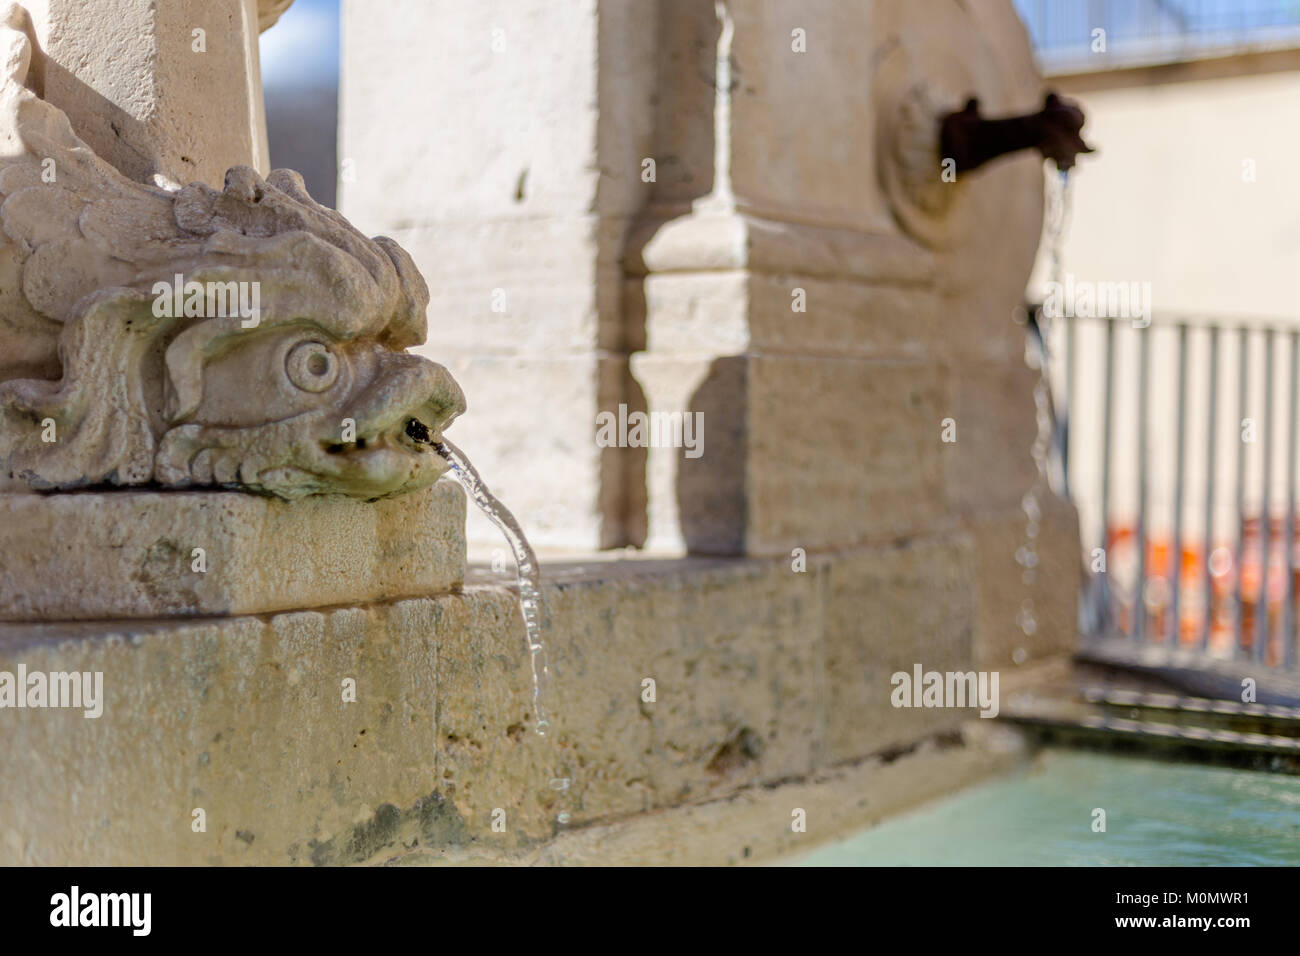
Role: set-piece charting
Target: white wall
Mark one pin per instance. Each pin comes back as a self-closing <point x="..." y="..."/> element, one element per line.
<point x="1164" y="198"/>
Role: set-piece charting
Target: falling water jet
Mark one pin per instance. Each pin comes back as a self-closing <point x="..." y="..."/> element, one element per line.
<point x="527" y="570"/>
<point x="1027" y="553"/>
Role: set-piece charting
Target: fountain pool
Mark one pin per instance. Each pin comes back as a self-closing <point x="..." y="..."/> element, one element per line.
<point x="1157" y="814"/>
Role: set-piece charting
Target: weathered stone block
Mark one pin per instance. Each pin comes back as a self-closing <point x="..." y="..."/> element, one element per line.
<point x="534" y="288"/>
<point x="733" y="649"/>
<point x="990" y="465"/>
<point x="243" y="718"/>
<point x="526" y="80"/>
<point x="139" y="554"/>
<point x="843" y="451"/>
<point x="843" y="317"/>
<point x="811" y="452"/>
<point x="753" y="826"/>
<point x="132" y="76"/>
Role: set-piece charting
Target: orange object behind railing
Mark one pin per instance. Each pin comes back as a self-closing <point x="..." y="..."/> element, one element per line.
<point x="1226" y="561"/>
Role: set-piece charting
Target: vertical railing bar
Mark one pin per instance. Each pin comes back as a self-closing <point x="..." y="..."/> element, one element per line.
<point x="1260" y="650"/>
<point x="1144" y="356"/>
<point x="1211" y="416"/>
<point x="1107" y="429"/>
<point x="1175" y="570"/>
<point x="1288" y="626"/>
<point x="1243" y="367"/>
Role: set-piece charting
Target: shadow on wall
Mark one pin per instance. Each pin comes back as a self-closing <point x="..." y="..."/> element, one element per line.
<point x="711" y="493"/>
<point x="101" y="124"/>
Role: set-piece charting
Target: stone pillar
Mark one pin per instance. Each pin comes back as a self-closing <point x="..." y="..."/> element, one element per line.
<point x="518" y="136"/>
<point x="158" y="89"/>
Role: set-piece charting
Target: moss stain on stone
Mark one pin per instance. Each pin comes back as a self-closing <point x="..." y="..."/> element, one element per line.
<point x="433" y="821"/>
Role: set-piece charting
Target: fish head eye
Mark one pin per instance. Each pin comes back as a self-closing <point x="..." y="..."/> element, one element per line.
<point x="312" y="366"/>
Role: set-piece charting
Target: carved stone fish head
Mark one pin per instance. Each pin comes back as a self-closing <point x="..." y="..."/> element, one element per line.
<point x="269" y="356"/>
<point x="245" y="337"/>
<point x="305" y="387"/>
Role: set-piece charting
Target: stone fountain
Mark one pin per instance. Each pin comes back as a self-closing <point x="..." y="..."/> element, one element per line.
<point x="220" y="509"/>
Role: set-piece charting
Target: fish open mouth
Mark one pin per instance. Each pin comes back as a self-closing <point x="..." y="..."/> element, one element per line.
<point x="384" y="417"/>
<point x="418" y="432"/>
<point x="386" y="442"/>
<point x="392" y="455"/>
<point x="410" y="433"/>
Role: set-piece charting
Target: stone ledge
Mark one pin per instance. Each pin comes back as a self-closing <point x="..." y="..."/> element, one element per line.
<point x="694" y="243"/>
<point x="752" y="826"/>
<point x="131" y="554"/>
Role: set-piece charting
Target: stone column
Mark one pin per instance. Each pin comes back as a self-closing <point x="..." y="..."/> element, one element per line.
<point x="158" y="89"/>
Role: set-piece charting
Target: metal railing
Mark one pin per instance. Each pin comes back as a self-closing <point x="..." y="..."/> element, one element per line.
<point x="1177" y="442"/>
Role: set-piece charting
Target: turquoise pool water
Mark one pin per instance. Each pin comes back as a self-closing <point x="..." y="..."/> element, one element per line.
<point x="1157" y="814"/>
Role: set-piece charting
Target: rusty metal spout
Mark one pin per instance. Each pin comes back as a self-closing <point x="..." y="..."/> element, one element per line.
<point x="972" y="140"/>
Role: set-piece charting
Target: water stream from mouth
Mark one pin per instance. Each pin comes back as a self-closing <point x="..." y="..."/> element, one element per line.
<point x="1040" y="357"/>
<point x="529" y="575"/>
